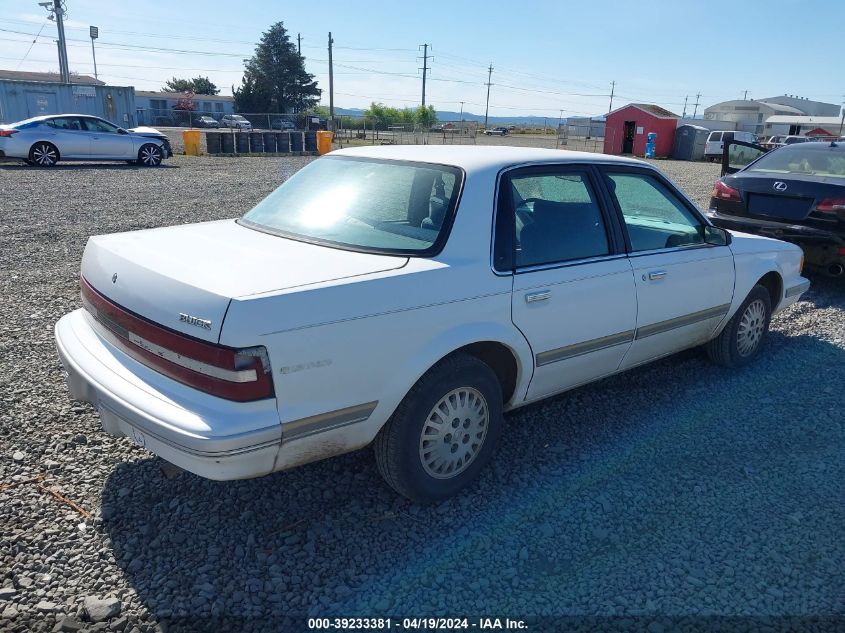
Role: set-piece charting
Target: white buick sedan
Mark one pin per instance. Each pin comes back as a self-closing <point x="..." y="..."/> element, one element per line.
<point x="406" y="297"/>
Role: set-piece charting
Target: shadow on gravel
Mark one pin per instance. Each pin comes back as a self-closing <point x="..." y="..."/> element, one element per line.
<point x="677" y="489"/>
<point x="81" y="167"/>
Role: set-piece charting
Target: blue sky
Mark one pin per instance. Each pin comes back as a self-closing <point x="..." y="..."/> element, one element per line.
<point x="546" y="56"/>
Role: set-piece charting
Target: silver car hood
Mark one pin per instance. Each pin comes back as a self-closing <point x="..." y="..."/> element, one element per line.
<point x="143" y="130"/>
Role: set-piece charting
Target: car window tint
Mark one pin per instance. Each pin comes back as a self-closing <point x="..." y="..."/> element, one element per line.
<point x="95" y="125"/>
<point x="801" y="159"/>
<point x="557" y="218"/>
<point x="654" y="216"/>
<point x="65" y="123"/>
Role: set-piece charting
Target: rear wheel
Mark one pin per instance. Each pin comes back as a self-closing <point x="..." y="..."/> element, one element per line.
<point x="43" y="154"/>
<point x="742" y="338"/>
<point x="150" y="155"/>
<point x="444" y="432"/>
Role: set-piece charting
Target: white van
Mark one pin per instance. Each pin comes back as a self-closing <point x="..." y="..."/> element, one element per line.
<point x="716" y="142"/>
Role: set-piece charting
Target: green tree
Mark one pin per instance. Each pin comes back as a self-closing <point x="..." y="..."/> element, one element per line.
<point x="425" y="116"/>
<point x="197" y="85"/>
<point x="275" y="79"/>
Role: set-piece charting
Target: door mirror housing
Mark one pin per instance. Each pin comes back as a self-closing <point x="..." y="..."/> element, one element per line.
<point x="716" y="236"/>
<point x="120" y="130"/>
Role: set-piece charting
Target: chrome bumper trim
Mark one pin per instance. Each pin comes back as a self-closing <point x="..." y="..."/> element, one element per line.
<point x="304" y="427"/>
<point x="800" y="289"/>
<point x="681" y="321"/>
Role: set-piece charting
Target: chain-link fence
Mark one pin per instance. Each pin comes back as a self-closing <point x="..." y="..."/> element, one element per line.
<point x="282" y="121"/>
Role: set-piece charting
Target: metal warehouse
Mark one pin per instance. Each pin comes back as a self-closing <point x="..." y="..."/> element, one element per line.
<point x="24" y="95"/>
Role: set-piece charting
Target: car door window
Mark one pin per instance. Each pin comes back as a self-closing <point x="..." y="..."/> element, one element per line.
<point x="95" y="125"/>
<point x="654" y="217"/>
<point x="556" y="218"/>
<point x="65" y="123"/>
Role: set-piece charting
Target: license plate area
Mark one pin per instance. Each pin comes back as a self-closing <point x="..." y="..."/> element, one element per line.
<point x="783" y="207"/>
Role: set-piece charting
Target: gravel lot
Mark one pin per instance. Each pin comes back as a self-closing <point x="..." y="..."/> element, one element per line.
<point x="677" y="489"/>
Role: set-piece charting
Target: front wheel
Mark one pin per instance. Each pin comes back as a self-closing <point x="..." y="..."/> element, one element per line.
<point x="444" y="432"/>
<point x="150" y="155"/>
<point x="742" y="338"/>
<point x="43" y="154"/>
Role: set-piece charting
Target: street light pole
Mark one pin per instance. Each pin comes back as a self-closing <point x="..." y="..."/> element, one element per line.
<point x="94" y="32"/>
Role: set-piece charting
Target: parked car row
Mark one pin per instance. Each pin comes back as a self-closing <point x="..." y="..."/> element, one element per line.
<point x="386" y="273"/>
<point x="45" y="140"/>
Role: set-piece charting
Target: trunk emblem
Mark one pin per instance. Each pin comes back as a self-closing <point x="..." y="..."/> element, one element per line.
<point x="114" y="278"/>
<point x="192" y="320"/>
<point x="779" y="186"/>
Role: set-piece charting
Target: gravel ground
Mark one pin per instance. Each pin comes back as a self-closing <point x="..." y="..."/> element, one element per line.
<point x="676" y="489"/>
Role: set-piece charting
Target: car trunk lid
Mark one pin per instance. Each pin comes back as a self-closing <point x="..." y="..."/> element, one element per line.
<point x="777" y="197"/>
<point x="184" y="277"/>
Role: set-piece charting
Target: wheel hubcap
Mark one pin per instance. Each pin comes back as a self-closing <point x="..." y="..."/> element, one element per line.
<point x="453" y="433"/>
<point x="751" y="327"/>
<point x="149" y="156"/>
<point x="44" y="155"/>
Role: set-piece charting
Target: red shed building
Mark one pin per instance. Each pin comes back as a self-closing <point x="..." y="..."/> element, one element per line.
<point x="627" y="127"/>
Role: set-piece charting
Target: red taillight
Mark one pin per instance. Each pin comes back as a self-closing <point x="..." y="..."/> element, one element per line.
<point x="724" y="192"/>
<point x="831" y="205"/>
<point x="8" y="132"/>
<point x="841" y="251"/>
<point x="233" y="374"/>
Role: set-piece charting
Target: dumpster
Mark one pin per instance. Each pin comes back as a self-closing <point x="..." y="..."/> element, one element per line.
<point x="296" y="141"/>
<point x="256" y="142"/>
<point x="269" y="142"/>
<point x="212" y="142"/>
<point x="310" y="141"/>
<point x="191" y="139"/>
<point x="242" y="142"/>
<point x="283" y="142"/>
<point x="324" y="142"/>
<point x="227" y="143"/>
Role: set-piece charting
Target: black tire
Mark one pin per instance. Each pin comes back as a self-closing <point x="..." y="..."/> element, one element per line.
<point x="43" y="154"/>
<point x="731" y="347"/>
<point x="399" y="446"/>
<point x="150" y="155"/>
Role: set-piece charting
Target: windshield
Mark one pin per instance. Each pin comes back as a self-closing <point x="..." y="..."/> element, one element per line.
<point x="802" y="159"/>
<point x="394" y="207"/>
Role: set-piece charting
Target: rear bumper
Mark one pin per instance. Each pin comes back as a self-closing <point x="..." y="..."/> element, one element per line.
<point x="208" y="436"/>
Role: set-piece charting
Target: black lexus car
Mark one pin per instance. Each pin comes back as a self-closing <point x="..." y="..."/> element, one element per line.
<point x="794" y="193"/>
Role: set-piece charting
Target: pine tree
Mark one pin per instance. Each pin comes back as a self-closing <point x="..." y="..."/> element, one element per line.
<point x="275" y="79"/>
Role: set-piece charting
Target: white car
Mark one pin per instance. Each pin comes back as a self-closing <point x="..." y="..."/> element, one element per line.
<point x="716" y="142"/>
<point x="235" y="121"/>
<point x="43" y="141"/>
<point x="406" y="297"/>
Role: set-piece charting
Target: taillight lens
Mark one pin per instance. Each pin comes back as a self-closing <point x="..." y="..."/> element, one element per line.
<point x="831" y="205"/>
<point x="234" y="374"/>
<point x="724" y="192"/>
<point x="8" y="133"/>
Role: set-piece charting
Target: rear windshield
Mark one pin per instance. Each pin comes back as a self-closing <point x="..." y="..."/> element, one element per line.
<point x="383" y="206"/>
<point x="800" y="159"/>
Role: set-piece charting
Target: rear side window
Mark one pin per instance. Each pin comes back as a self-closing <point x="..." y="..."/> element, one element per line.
<point x="65" y="123"/>
<point x="715" y="137"/>
<point x="556" y="217"/>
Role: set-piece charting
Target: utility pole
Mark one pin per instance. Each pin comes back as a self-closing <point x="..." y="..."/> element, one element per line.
<point x="745" y="96"/>
<point x="487" y="109"/>
<point x="299" y="44"/>
<point x="331" y="84"/>
<point x="612" y="90"/>
<point x="94" y="32"/>
<point x="462" y="111"/>
<point x="57" y="13"/>
<point x="684" y="115"/>
<point x="695" y="111"/>
<point x="425" y="70"/>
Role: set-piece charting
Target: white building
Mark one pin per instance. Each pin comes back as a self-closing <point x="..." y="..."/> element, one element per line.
<point x="751" y="115"/>
<point x="157" y="108"/>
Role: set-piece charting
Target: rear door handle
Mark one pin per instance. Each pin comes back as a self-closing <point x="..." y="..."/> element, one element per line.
<point x="656" y="274"/>
<point x="533" y="297"/>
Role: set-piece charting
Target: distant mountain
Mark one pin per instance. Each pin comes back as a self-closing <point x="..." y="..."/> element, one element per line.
<point x="448" y="115"/>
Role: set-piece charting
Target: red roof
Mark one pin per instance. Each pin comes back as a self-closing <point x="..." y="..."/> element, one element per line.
<point x="650" y="108"/>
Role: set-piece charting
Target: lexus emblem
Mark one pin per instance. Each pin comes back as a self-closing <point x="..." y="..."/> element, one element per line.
<point x="779" y="186"/>
<point x="114" y="278"/>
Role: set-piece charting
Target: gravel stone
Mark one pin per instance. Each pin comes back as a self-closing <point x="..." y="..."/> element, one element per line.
<point x="7" y="593"/>
<point x="99" y="609"/>
<point x="18" y="456"/>
<point x="606" y="500"/>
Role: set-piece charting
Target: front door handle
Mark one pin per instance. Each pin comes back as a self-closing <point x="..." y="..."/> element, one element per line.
<point x="656" y="274"/>
<point x="542" y="295"/>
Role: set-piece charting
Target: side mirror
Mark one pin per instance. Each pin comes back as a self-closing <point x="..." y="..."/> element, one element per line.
<point x="120" y="130"/>
<point x="716" y="236"/>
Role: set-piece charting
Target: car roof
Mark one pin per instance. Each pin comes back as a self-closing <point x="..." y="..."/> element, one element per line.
<point x="479" y="157"/>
